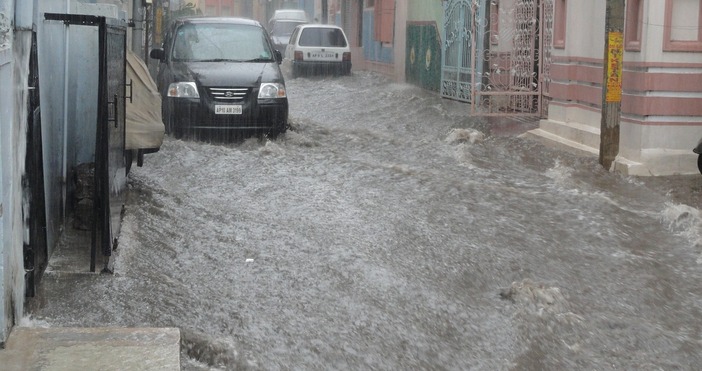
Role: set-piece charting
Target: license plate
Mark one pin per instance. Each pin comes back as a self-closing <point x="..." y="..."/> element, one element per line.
<point x="228" y="109"/>
<point x="323" y="55"/>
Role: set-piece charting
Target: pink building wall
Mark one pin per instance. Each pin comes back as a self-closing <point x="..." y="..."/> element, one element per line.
<point x="662" y="84"/>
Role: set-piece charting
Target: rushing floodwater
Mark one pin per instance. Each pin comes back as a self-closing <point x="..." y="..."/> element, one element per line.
<point x="390" y="230"/>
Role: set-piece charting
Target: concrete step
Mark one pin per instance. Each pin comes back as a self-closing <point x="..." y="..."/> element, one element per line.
<point x="560" y="142"/>
<point x="582" y="134"/>
<point x="104" y="348"/>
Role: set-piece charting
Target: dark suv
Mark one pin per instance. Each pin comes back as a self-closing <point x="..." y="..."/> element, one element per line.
<point x="221" y="76"/>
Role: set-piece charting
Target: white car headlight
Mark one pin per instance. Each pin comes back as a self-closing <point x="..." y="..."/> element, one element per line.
<point x="270" y="90"/>
<point x="183" y="90"/>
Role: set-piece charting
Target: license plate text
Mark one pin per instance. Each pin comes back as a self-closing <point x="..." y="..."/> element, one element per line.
<point x="228" y="109"/>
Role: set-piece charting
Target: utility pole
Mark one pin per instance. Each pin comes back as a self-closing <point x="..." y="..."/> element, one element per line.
<point x="325" y="11"/>
<point x="612" y="83"/>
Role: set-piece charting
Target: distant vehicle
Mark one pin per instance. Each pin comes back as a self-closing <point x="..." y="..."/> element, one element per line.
<point x="221" y="76"/>
<point x="281" y="31"/>
<point x="698" y="151"/>
<point x="288" y="14"/>
<point x="318" y="48"/>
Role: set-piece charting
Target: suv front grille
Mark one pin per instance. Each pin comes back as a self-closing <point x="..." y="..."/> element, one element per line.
<point x="229" y="94"/>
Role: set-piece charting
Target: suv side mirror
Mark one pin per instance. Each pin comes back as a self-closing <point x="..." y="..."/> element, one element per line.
<point x="156" y="54"/>
<point x="278" y="56"/>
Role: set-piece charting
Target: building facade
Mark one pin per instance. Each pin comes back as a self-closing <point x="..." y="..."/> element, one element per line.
<point x="562" y="42"/>
<point x="661" y="102"/>
<point x="48" y="122"/>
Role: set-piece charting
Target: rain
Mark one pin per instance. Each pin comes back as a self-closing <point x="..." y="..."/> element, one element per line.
<point x="390" y="229"/>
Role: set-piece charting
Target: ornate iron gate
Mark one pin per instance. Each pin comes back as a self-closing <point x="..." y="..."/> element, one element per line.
<point x="496" y="55"/>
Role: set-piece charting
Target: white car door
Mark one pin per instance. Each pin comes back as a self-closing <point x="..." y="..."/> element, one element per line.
<point x="290" y="48"/>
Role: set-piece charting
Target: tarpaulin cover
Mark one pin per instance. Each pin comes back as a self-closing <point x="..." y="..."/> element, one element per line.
<point x="144" y="126"/>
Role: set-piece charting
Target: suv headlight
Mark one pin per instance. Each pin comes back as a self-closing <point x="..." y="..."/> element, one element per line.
<point x="183" y="90"/>
<point x="270" y="90"/>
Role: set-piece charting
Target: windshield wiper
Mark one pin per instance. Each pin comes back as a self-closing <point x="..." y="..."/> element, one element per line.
<point x="260" y="60"/>
<point x="219" y="60"/>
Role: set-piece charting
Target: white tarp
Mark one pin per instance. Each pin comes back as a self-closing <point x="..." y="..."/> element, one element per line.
<point x="145" y="128"/>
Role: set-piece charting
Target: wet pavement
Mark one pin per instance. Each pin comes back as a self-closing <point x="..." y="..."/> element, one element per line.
<point x="389" y="229"/>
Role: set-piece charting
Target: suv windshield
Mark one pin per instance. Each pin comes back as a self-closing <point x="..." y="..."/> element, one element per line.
<point x="329" y="37"/>
<point x="220" y="42"/>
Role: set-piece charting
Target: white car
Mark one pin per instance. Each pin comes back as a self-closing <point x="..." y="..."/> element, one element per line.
<point x="287" y="15"/>
<point x="280" y="33"/>
<point x="318" y="48"/>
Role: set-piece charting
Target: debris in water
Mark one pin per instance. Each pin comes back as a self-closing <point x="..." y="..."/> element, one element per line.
<point x="536" y="297"/>
<point x="463" y="136"/>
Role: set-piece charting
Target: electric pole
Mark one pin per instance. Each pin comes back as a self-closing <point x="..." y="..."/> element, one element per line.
<point x="612" y="82"/>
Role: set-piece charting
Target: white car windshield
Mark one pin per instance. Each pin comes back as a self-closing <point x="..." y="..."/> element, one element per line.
<point x="220" y="42"/>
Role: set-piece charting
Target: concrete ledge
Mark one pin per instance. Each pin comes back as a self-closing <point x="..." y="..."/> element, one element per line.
<point x="653" y="162"/>
<point x="576" y="132"/>
<point x="560" y="142"/>
<point x="105" y="348"/>
<point x="659" y="162"/>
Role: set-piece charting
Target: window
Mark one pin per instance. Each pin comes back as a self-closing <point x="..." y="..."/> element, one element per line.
<point x="326" y="37"/>
<point x="384" y="13"/>
<point x="634" y="25"/>
<point x="494" y="22"/>
<point x="682" y="31"/>
<point x="559" y="24"/>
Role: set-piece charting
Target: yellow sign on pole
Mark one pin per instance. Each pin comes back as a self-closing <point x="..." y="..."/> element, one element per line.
<point x="158" y="26"/>
<point x="615" y="54"/>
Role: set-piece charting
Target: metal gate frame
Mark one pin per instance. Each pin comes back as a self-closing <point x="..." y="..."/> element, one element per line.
<point x="496" y="55"/>
<point x="110" y="167"/>
<point x="35" y="250"/>
<point x="110" y="164"/>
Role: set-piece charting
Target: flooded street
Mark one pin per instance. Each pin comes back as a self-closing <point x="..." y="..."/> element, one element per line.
<point x="390" y="230"/>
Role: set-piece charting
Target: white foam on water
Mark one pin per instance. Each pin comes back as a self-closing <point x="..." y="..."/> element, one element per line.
<point x="28" y="321"/>
<point x="684" y="220"/>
